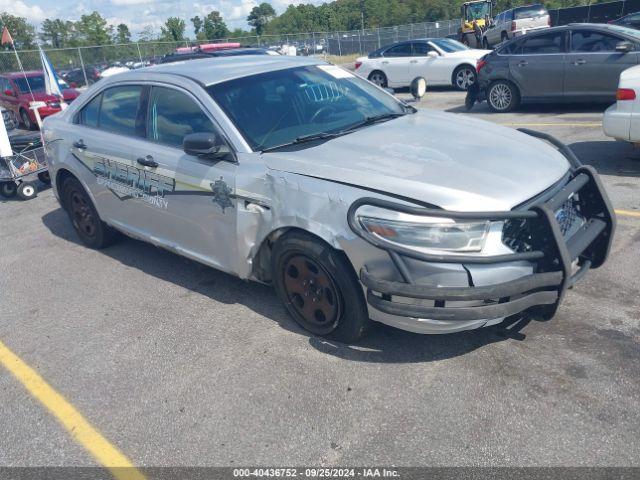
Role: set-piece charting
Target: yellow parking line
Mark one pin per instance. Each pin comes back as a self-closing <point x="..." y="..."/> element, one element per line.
<point x="79" y="428"/>
<point x="558" y="124"/>
<point x="628" y="213"/>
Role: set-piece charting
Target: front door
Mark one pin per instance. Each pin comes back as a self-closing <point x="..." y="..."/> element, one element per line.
<point x="395" y="64"/>
<point x="198" y="216"/>
<point x="594" y="66"/>
<point x="538" y="65"/>
<point x="434" y="69"/>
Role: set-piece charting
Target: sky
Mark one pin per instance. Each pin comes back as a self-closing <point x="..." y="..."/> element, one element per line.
<point x="139" y="13"/>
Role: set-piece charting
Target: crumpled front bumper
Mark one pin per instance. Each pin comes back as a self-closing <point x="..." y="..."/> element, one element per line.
<point x="559" y="261"/>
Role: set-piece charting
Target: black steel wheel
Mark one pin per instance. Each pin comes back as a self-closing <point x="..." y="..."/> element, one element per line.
<point x="8" y="189"/>
<point x="93" y="232"/>
<point x="318" y="287"/>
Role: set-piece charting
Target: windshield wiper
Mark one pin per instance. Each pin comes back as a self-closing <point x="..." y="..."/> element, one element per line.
<point x="373" y="120"/>
<point x="304" y="139"/>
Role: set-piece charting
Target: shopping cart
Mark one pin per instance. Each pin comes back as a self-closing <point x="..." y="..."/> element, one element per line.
<point x="18" y="172"/>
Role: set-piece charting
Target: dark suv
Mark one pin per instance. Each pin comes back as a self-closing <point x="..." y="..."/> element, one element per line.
<point x="572" y="63"/>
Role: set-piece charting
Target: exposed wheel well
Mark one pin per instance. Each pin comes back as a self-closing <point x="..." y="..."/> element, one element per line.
<point x="61" y="176"/>
<point x="261" y="269"/>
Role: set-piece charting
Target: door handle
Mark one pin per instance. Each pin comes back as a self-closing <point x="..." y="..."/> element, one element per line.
<point x="385" y="62"/>
<point x="413" y="61"/>
<point x="79" y="144"/>
<point x="580" y="62"/>
<point x="147" y="161"/>
<point x="523" y="64"/>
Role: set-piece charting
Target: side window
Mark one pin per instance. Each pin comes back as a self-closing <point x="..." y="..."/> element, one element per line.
<point x="542" y="44"/>
<point x="499" y="19"/>
<point x="592" y="41"/>
<point x="508" y="16"/>
<point x="172" y="115"/>
<point x="421" y="49"/>
<point x="119" y="109"/>
<point x="89" y="114"/>
<point x="403" y="50"/>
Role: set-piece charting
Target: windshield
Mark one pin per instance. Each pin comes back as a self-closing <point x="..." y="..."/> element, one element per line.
<point x="477" y="11"/>
<point x="529" y="12"/>
<point x="448" y="45"/>
<point x="277" y="108"/>
<point x="625" y="30"/>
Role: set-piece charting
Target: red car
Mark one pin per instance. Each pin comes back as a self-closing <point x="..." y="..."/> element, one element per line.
<point x="16" y="97"/>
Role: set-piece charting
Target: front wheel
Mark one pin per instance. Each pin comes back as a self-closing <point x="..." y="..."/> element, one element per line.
<point x="503" y="96"/>
<point x="26" y="121"/>
<point x="463" y="77"/>
<point x="319" y="287"/>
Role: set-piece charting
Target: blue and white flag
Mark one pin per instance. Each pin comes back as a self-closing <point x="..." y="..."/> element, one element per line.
<point x="51" y="82"/>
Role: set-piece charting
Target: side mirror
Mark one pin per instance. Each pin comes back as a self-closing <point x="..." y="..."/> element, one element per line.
<point x="205" y="145"/>
<point x="9" y="92"/>
<point x="432" y="54"/>
<point x="418" y="88"/>
<point x="624" y="47"/>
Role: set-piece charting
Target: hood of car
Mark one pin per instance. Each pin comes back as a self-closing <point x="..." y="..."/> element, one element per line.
<point x="451" y="161"/>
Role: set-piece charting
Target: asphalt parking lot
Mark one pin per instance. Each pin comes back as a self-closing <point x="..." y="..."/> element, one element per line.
<point x="176" y="364"/>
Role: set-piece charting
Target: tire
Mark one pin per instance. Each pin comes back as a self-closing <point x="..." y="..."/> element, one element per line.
<point x="93" y="232"/>
<point x="308" y="273"/>
<point x="379" y="78"/>
<point x="8" y="189"/>
<point x="26" y="121"/>
<point x="485" y="44"/>
<point x="463" y="77"/>
<point x="27" y="191"/>
<point x="503" y="96"/>
<point x="504" y="37"/>
<point x="44" y="177"/>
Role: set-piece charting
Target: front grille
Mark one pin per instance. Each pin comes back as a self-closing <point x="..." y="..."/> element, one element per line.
<point x="519" y="235"/>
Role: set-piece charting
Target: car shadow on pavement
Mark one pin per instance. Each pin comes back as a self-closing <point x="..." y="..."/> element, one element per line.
<point x="609" y="157"/>
<point x="382" y="344"/>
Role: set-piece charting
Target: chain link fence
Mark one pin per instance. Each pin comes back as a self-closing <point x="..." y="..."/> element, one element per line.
<point x="334" y="44"/>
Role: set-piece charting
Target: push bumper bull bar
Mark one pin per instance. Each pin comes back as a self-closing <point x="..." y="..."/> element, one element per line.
<point x="553" y="258"/>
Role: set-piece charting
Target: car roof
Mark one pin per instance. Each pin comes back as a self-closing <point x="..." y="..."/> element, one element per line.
<point x="212" y="70"/>
<point x="30" y="73"/>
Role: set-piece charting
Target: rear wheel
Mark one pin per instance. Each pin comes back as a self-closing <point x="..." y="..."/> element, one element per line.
<point x="485" y="43"/>
<point x="463" y="77"/>
<point x="379" y="78"/>
<point x="8" y="189"/>
<point x="93" y="232"/>
<point x="318" y="287"/>
<point x="504" y="37"/>
<point x="27" y="191"/>
<point x="503" y="96"/>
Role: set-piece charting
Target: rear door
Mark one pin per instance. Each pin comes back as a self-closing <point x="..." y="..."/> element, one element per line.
<point x="594" y="65"/>
<point x="537" y="65"/>
<point x="395" y="64"/>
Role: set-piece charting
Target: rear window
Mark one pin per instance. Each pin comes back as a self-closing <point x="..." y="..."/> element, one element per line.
<point x="529" y="12"/>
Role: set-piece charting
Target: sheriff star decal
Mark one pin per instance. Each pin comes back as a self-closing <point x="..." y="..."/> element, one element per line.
<point x="222" y="194"/>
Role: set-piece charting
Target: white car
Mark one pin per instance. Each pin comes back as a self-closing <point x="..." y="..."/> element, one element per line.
<point x="621" y="120"/>
<point x="441" y="61"/>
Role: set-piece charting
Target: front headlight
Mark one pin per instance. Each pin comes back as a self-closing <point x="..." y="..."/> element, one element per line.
<point x="440" y="234"/>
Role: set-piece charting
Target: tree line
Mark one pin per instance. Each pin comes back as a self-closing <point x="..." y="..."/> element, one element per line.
<point x="94" y="29"/>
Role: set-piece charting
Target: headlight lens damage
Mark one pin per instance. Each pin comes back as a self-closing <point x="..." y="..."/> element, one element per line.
<point x="439" y="235"/>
